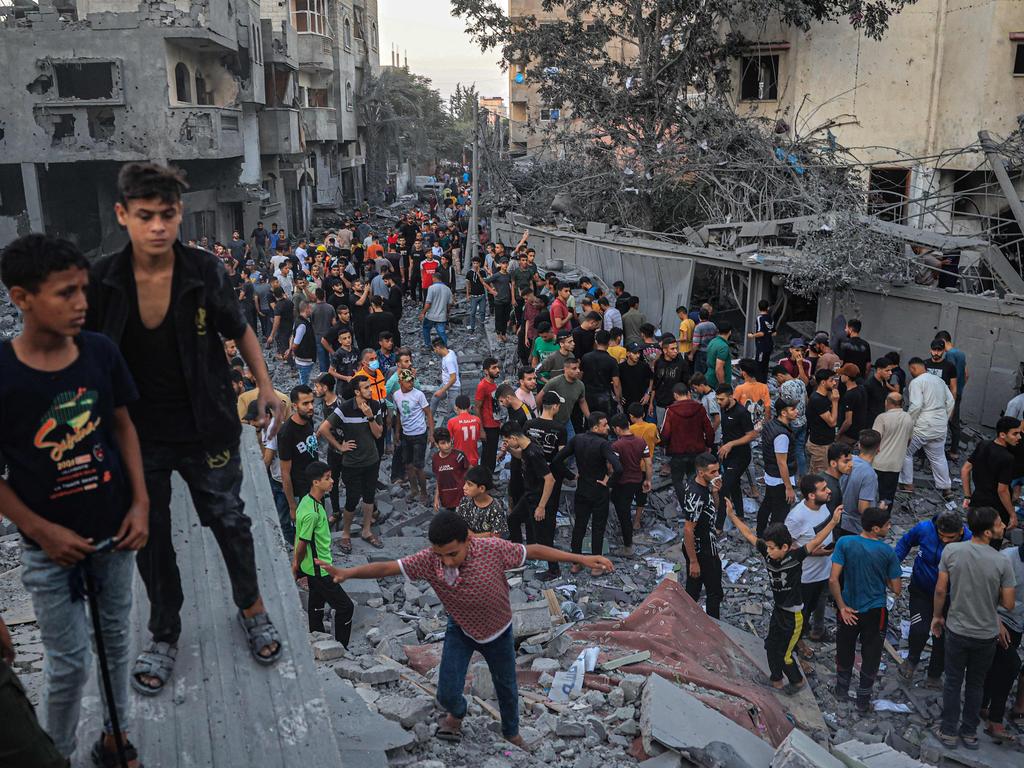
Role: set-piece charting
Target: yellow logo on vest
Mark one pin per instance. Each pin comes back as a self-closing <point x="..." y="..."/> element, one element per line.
<point x="201" y="321"/>
<point x="219" y="460"/>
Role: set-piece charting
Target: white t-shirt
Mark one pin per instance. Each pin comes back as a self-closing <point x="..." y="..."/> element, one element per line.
<point x="450" y="365"/>
<point x="804" y="524"/>
<point x="302" y="256"/>
<point x="277" y="259"/>
<point x="410" y="408"/>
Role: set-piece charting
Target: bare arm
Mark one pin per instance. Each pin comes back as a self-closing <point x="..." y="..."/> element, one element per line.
<point x="1007" y="598"/>
<point x="965" y="479"/>
<point x="1003" y="490"/>
<point x="286" y="484"/>
<point x="939" y="603"/>
<point x="369" y="571"/>
<point x="741" y="526"/>
<point x="552" y="555"/>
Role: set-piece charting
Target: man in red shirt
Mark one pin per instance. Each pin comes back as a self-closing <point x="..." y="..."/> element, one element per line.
<point x="466" y="430"/>
<point x="428" y="267"/>
<point x="560" y="308"/>
<point x="468" y="576"/>
<point x="485" y="410"/>
<point x="449" y="467"/>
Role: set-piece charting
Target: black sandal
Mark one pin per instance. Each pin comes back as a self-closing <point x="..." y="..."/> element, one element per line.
<point x="105" y="758"/>
<point x="260" y="634"/>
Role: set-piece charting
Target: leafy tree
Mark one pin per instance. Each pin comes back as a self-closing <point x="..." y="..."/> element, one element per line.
<point x="649" y="137"/>
<point x="406" y="119"/>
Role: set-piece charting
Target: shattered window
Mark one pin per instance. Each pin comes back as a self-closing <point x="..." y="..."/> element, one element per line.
<point x="86" y="81"/>
<point x="760" y="78"/>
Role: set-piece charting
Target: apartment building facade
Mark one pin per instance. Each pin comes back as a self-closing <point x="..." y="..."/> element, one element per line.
<point x="906" y="103"/>
<point x="255" y="101"/>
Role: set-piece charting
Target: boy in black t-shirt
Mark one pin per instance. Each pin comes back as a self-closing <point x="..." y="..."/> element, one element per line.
<point x="75" y="489"/>
<point x="785" y="568"/>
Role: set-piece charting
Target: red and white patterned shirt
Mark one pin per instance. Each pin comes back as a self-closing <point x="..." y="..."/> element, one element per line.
<point x="478" y="599"/>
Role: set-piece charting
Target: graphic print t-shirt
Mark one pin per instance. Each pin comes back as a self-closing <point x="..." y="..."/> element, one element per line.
<point x="57" y="436"/>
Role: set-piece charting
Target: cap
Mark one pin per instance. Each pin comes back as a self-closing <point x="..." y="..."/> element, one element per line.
<point x="797" y="342"/>
<point x="406" y="375"/>
<point x="563" y="334"/>
<point x="821" y="338"/>
<point x="634" y="346"/>
<point x="849" y="370"/>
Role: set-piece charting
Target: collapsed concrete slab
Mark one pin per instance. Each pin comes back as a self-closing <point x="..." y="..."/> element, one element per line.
<point x="801" y="751"/>
<point x="368" y="736"/>
<point x="857" y="754"/>
<point x="529" y="619"/>
<point x="673" y="718"/>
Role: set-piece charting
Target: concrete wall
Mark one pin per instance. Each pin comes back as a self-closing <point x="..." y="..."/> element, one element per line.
<point x="948" y="66"/>
<point x="989" y="330"/>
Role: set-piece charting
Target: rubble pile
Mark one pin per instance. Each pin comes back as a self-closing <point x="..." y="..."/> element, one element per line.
<point x="613" y="713"/>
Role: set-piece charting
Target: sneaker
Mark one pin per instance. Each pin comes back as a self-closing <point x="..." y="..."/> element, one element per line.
<point x="948" y="495"/>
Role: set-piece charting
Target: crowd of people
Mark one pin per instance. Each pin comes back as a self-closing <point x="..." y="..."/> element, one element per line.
<point x="600" y="400"/>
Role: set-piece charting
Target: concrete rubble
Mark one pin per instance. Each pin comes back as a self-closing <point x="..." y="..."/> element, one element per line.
<point x="381" y="689"/>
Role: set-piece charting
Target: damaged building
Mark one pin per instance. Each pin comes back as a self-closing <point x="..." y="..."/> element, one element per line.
<point x="255" y="101"/>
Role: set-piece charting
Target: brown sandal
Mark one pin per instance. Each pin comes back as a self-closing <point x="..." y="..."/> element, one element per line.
<point x="373" y="541"/>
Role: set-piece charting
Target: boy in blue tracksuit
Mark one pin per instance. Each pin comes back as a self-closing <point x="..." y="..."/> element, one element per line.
<point x="930" y="537"/>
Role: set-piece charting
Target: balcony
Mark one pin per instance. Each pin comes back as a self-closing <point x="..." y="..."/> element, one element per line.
<point x="280" y="46"/>
<point x="279" y="131"/>
<point x="320" y="123"/>
<point x="519" y="91"/>
<point x="316" y="52"/>
<point x="205" y="132"/>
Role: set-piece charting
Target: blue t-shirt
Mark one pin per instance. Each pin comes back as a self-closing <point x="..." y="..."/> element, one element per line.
<point x="958" y="359"/>
<point x="868" y="566"/>
<point x="57" y="436"/>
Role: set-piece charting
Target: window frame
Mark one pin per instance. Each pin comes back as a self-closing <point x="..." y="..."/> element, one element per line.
<point x="745" y="61"/>
<point x="315" y="17"/>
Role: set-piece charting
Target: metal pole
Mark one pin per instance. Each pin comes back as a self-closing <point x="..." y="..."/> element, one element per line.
<point x="474" y="219"/>
<point x="994" y="160"/>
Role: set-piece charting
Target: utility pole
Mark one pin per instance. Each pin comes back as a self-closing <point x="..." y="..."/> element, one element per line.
<point x="474" y="218"/>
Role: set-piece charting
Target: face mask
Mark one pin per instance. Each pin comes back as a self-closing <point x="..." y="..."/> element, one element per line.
<point x="374" y="365"/>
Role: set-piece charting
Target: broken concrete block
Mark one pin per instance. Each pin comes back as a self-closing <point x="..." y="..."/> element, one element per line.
<point x="569" y="729"/>
<point x="631" y="686"/>
<point x="857" y="754"/>
<point x="325" y="650"/>
<point x="616" y="698"/>
<point x="628" y="728"/>
<point x="545" y="665"/>
<point x="347" y="669"/>
<point x="405" y="710"/>
<point x="664" y="760"/>
<point x="798" y="750"/>
<point x="530" y="618"/>
<point x="482" y="685"/>
<point x="675" y="719"/>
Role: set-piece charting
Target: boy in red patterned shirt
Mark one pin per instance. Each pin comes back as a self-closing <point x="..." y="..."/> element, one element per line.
<point x="468" y="575"/>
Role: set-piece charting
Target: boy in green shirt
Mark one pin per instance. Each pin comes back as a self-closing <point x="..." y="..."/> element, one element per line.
<point x="544" y="344"/>
<point x="312" y="545"/>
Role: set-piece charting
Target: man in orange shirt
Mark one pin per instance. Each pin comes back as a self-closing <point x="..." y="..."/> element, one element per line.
<point x="375" y="251"/>
<point x="753" y="391"/>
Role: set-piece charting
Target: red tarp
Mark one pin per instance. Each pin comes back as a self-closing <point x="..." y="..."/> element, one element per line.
<point x="687" y="646"/>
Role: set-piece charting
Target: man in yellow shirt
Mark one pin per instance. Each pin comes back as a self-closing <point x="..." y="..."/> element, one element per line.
<point x="615" y="348"/>
<point x="647" y="432"/>
<point x="686" y="326"/>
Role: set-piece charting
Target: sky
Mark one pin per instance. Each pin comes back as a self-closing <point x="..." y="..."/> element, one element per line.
<point x="438" y="46"/>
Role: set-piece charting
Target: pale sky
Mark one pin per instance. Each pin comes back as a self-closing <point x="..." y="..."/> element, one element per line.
<point x="438" y="46"/>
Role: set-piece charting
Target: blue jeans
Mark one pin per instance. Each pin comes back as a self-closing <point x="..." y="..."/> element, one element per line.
<point x="477" y="306"/>
<point x="439" y="405"/>
<point x="800" y="437"/>
<point x="65" y="629"/>
<point x="284" y="514"/>
<point x="304" y="373"/>
<point x="323" y="358"/>
<point x="500" y="655"/>
<point x="438" y="325"/>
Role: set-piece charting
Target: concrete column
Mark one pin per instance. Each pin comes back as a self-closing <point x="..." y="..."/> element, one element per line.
<point x="33" y="196"/>
<point x="252" y="172"/>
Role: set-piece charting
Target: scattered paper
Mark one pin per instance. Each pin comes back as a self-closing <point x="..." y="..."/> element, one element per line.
<point x="907" y="570"/>
<point x="884" y="705"/>
<point x="750" y="506"/>
<point x="589" y="658"/>
<point x="905" y="629"/>
<point x="661" y="566"/>
<point x="661" y="534"/>
<point x="567" y="682"/>
<point x="734" y="571"/>
<point x="566" y="589"/>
